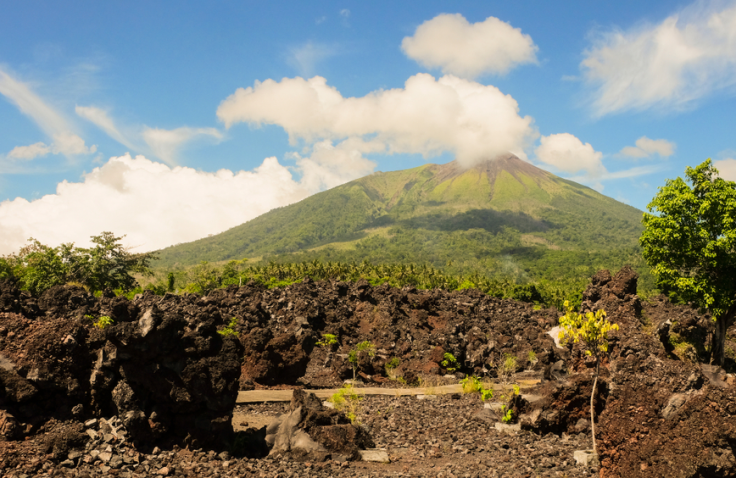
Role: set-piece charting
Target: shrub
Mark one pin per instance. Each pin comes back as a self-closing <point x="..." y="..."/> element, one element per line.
<point x="450" y="362"/>
<point x="506" y="415"/>
<point x="348" y="402"/>
<point x="391" y="367"/>
<point x="365" y="346"/>
<point x="328" y="340"/>
<point x="473" y="384"/>
<point x="229" y="329"/>
<point x="101" y="323"/>
<point x="591" y="332"/>
<point x="507" y="368"/>
<point x="107" y="265"/>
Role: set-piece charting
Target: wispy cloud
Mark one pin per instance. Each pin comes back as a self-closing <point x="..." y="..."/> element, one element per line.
<point x="31" y="105"/>
<point x="102" y="120"/>
<point x="165" y="144"/>
<point x="305" y="58"/>
<point x="29" y="152"/>
<point x="68" y="144"/>
<point x="670" y="65"/>
<point x="345" y="17"/>
<point x="632" y="172"/>
<point x="596" y="181"/>
<point x="51" y="122"/>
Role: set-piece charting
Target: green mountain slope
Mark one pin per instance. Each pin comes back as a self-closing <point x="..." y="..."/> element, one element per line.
<point x="504" y="217"/>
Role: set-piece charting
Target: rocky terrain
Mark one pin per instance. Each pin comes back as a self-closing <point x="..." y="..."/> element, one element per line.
<point x="153" y="393"/>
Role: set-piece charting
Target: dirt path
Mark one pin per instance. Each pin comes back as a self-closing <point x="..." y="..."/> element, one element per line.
<point x="260" y="396"/>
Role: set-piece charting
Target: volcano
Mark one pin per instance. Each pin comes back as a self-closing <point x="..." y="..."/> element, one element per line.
<point x="501" y="213"/>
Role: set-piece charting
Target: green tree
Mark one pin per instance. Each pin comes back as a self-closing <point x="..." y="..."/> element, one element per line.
<point x="170" y="282"/>
<point x="591" y="332"/>
<point x="232" y="272"/>
<point x="6" y="269"/>
<point x="689" y="240"/>
<point x="110" y="265"/>
<point x="204" y="277"/>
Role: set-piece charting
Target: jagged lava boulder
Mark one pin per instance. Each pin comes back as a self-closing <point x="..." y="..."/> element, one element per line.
<point x="313" y="432"/>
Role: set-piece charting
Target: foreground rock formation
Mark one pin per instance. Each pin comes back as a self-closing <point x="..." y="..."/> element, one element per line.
<point x="164" y="371"/>
<point x="164" y="377"/>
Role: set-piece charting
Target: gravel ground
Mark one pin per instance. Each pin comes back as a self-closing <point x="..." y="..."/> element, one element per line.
<point x="439" y="436"/>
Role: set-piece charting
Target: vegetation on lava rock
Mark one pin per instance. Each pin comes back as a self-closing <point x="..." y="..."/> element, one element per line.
<point x="449" y="362"/>
<point x="473" y="384"/>
<point x="354" y="355"/>
<point x="328" y="341"/>
<point x="229" y="329"/>
<point x="102" y="322"/>
<point x="347" y="401"/>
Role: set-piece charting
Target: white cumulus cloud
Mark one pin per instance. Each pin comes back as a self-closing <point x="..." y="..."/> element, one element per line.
<point x="428" y="116"/>
<point x="726" y="168"/>
<point x="330" y="165"/>
<point x="668" y="65"/>
<point x="567" y="153"/>
<point x="154" y="204"/>
<point x="646" y="147"/>
<point x="157" y="205"/>
<point x="451" y="43"/>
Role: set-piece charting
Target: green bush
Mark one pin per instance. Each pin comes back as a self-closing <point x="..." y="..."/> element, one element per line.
<point x="347" y="401"/>
<point x="102" y="322"/>
<point x="328" y="340"/>
<point x="229" y="329"/>
<point x="353" y="355"/>
<point x="473" y="384"/>
<point x="449" y="362"/>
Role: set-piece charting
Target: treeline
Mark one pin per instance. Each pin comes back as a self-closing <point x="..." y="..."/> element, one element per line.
<point x="205" y="277"/>
<point x="108" y="265"/>
<point x="462" y="253"/>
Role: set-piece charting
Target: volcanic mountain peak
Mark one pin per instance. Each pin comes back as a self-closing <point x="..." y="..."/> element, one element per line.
<point x="491" y="168"/>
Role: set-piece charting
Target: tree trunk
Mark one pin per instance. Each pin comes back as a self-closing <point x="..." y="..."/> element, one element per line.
<point x="718" y="344"/>
<point x="592" y="408"/>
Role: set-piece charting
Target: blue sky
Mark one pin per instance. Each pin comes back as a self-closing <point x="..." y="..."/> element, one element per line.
<point x="169" y="121"/>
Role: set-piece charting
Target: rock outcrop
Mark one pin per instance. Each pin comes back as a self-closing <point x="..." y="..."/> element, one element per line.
<point x="167" y="374"/>
<point x="312" y="432"/>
